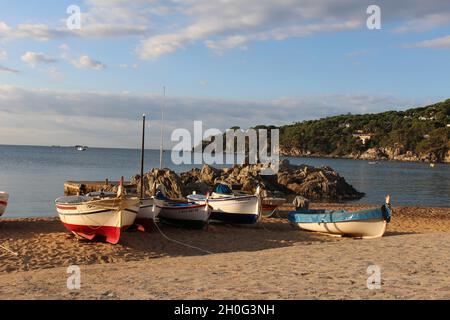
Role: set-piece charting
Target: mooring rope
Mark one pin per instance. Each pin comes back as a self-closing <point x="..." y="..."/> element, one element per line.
<point x="182" y="243"/>
<point x="8" y="250"/>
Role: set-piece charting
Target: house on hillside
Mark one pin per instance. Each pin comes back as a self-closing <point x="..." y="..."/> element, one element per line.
<point x="364" y="137"/>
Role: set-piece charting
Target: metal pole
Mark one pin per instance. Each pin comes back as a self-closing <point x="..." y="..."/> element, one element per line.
<point x="161" y="151"/>
<point x="142" y="156"/>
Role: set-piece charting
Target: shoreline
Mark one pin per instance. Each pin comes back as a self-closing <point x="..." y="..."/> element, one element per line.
<point x="352" y="205"/>
<point x="362" y="159"/>
<point x="413" y="252"/>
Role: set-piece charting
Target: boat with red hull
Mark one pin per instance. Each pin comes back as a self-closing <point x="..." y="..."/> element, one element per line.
<point x="89" y="217"/>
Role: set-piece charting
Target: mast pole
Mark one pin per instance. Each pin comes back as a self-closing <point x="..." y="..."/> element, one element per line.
<point x="161" y="151"/>
<point x="142" y="156"/>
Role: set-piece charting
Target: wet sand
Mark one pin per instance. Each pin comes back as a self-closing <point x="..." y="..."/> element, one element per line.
<point x="270" y="260"/>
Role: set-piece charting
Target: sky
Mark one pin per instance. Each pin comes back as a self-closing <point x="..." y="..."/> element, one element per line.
<point x="223" y="62"/>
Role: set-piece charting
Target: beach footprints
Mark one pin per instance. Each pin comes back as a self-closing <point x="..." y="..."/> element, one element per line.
<point x="74" y="278"/>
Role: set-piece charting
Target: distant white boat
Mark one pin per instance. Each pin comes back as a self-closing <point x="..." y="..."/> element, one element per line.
<point x="81" y="148"/>
<point x="3" y="202"/>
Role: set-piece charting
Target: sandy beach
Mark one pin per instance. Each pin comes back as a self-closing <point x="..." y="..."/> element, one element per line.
<point x="270" y="260"/>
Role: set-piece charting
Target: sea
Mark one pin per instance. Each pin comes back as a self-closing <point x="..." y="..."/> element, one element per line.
<point x="34" y="176"/>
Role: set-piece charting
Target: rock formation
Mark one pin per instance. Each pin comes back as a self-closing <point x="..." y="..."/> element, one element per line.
<point x="314" y="183"/>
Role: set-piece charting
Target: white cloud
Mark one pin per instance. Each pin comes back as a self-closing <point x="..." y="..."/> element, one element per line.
<point x="85" y="62"/>
<point x="168" y="26"/>
<point x="224" y="25"/>
<point x="8" y="70"/>
<point x="34" y="58"/>
<point x="438" y="43"/>
<point x="425" y="23"/>
<point x="100" y="19"/>
<point x="71" y="114"/>
<point x="55" y="74"/>
<point x="64" y="47"/>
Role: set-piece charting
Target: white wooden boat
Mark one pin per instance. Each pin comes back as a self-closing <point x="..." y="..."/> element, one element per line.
<point x="229" y="207"/>
<point x="366" y="224"/>
<point x="3" y="202"/>
<point x="182" y="213"/>
<point x="89" y="217"/>
<point x="147" y="211"/>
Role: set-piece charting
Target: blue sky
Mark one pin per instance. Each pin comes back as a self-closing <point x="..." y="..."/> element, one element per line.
<point x="241" y="62"/>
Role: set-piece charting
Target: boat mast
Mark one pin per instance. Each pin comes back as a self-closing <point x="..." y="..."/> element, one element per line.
<point x="142" y="156"/>
<point x="162" y="130"/>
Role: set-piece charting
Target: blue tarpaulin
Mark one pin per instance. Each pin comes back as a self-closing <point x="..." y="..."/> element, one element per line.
<point x="222" y="189"/>
<point x="318" y="216"/>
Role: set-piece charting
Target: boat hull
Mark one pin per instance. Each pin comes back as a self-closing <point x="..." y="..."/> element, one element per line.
<point x="3" y="202"/>
<point x="147" y="213"/>
<point x="97" y="220"/>
<point x="238" y="218"/>
<point x="193" y="216"/>
<point x="367" y="224"/>
<point x="240" y="210"/>
<point x="367" y="229"/>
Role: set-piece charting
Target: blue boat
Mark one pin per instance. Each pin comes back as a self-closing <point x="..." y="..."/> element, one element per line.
<point x="369" y="223"/>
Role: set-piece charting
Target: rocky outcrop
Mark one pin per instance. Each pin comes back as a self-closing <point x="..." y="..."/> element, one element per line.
<point x="167" y="178"/>
<point x="379" y="153"/>
<point x="315" y="183"/>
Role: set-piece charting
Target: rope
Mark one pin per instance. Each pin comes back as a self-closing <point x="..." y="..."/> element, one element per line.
<point x="182" y="243"/>
<point x="10" y="251"/>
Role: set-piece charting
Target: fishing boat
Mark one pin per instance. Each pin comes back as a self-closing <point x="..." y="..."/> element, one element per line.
<point x="366" y="224"/>
<point x="182" y="213"/>
<point x="3" y="202"/>
<point x="147" y="211"/>
<point x="91" y="216"/>
<point x="230" y="207"/>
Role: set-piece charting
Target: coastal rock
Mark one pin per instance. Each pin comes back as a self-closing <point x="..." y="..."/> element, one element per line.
<point x="308" y="181"/>
<point x="397" y="153"/>
<point x="171" y="182"/>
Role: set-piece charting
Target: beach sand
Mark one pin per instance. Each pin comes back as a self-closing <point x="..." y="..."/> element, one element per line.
<point x="271" y="260"/>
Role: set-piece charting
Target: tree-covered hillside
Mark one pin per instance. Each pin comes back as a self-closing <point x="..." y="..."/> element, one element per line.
<point x="421" y="131"/>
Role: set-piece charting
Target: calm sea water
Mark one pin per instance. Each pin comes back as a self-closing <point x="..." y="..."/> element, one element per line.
<point x="34" y="176"/>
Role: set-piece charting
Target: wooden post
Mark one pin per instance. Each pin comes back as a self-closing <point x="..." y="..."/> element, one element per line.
<point x="142" y="156"/>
